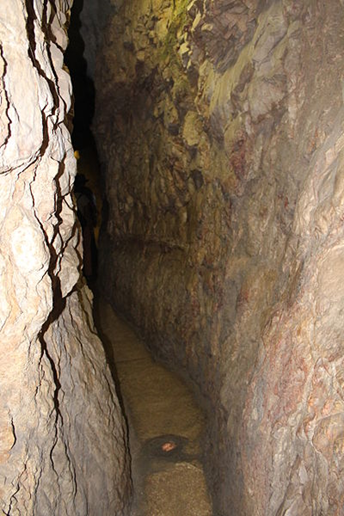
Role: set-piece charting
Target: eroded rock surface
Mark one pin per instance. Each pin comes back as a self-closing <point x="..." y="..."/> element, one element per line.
<point x="220" y="125"/>
<point x="62" y="438"/>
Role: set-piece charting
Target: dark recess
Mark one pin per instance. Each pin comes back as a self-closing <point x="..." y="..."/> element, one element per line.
<point x="83" y="87"/>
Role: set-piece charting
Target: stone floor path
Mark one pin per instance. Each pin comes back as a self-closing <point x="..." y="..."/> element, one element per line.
<point x="165" y="426"/>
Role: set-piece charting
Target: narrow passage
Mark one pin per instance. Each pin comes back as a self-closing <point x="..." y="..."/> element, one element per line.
<point x="165" y="426"/>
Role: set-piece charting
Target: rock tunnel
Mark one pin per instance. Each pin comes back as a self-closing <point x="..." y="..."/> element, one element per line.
<point x="218" y="126"/>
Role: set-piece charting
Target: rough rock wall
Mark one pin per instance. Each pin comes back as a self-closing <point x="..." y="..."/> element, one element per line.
<point x="220" y="125"/>
<point x="62" y="438"/>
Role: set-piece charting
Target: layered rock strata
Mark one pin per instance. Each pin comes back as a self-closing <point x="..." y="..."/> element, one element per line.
<point x="220" y="125"/>
<point x="62" y="437"/>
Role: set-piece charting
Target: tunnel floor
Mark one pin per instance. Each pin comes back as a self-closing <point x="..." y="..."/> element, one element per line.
<point x="165" y="426"/>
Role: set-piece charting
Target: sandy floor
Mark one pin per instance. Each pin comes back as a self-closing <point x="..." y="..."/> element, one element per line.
<point x="165" y="426"/>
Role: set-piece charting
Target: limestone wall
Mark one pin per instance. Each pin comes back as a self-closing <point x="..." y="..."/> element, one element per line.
<point x="62" y="438"/>
<point x="220" y="127"/>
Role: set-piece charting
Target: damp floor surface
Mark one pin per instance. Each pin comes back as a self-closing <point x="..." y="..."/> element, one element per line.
<point x="165" y="426"/>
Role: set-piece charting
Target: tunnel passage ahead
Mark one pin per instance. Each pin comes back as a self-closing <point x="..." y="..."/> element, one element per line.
<point x="220" y="129"/>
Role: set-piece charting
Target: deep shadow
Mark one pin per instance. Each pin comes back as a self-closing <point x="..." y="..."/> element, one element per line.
<point x="83" y="140"/>
<point x="83" y="87"/>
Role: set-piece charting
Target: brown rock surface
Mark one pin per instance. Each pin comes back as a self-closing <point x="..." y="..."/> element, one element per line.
<point x="220" y="127"/>
<point x="62" y="438"/>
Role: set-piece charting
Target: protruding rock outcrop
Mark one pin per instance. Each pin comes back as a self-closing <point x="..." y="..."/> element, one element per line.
<point x="220" y="127"/>
<point x="62" y="438"/>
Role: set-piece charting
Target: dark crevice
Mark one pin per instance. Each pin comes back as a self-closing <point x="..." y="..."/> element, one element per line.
<point x="83" y="87"/>
<point x="30" y="30"/>
<point x="6" y="98"/>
